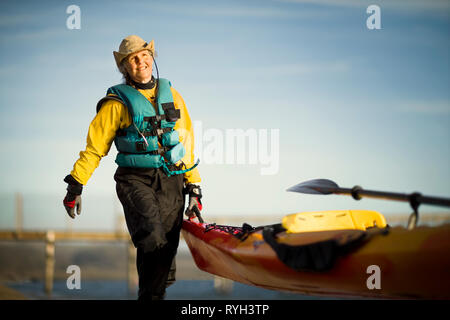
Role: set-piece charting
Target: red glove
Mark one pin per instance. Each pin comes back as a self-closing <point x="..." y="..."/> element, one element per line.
<point x="195" y="203"/>
<point x="70" y="202"/>
<point x="72" y="199"/>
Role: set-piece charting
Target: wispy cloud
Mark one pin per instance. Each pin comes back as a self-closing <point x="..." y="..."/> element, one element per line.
<point x="34" y="36"/>
<point x="392" y="4"/>
<point x="267" y="10"/>
<point x="16" y="19"/>
<point x="339" y="3"/>
<point x="297" y="69"/>
<point x="15" y="16"/>
<point x="441" y="107"/>
<point x="257" y="12"/>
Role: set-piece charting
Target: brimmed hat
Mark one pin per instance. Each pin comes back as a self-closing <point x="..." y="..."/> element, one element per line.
<point x="132" y="44"/>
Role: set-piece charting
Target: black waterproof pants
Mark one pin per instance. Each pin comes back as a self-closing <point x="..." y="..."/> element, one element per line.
<point x="153" y="204"/>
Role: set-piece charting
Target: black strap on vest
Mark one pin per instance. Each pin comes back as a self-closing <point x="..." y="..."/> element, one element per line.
<point x="170" y="114"/>
<point x="147" y="133"/>
<point x="155" y="132"/>
<point x="104" y="99"/>
<point x="159" y="152"/>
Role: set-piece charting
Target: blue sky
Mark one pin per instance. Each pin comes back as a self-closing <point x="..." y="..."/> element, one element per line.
<point x="358" y="106"/>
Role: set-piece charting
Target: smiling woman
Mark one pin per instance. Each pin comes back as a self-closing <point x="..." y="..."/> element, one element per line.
<point x="136" y="66"/>
<point x="150" y="126"/>
<point x="139" y="66"/>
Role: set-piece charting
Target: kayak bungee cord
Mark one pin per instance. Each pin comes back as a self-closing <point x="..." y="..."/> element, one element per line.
<point x="241" y="233"/>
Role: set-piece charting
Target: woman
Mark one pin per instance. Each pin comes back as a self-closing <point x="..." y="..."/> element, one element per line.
<point x="149" y="123"/>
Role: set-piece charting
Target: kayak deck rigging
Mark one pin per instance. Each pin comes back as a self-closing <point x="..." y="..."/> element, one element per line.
<point x="413" y="263"/>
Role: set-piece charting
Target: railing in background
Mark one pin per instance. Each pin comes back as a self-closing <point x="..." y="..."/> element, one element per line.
<point x="19" y="211"/>
<point x="50" y="237"/>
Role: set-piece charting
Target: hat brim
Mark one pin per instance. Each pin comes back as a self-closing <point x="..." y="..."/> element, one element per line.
<point x="119" y="56"/>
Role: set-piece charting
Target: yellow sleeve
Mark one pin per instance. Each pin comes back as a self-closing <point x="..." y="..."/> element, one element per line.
<point x="186" y="131"/>
<point x="102" y="130"/>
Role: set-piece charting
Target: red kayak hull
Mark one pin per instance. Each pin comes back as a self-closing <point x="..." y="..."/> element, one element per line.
<point x="412" y="264"/>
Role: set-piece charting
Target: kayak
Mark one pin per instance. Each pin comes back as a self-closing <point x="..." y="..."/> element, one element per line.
<point x="331" y="253"/>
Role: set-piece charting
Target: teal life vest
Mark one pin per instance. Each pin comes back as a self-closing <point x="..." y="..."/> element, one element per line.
<point x="138" y="143"/>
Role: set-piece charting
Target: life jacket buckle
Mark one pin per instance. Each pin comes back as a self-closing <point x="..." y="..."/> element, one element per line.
<point x="141" y="146"/>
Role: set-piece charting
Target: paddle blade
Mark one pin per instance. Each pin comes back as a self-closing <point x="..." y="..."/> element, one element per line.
<point x="316" y="186"/>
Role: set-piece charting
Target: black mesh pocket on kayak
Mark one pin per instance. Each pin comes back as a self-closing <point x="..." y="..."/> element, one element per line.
<point x="318" y="256"/>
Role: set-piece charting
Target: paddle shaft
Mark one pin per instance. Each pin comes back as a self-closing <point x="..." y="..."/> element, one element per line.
<point x="417" y="198"/>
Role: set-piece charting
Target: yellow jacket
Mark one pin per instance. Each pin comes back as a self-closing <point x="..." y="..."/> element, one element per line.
<point x="114" y="115"/>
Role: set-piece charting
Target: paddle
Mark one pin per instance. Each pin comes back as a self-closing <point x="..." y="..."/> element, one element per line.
<point x="325" y="186"/>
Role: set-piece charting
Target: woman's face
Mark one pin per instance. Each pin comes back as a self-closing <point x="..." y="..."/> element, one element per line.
<point x="139" y="66"/>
